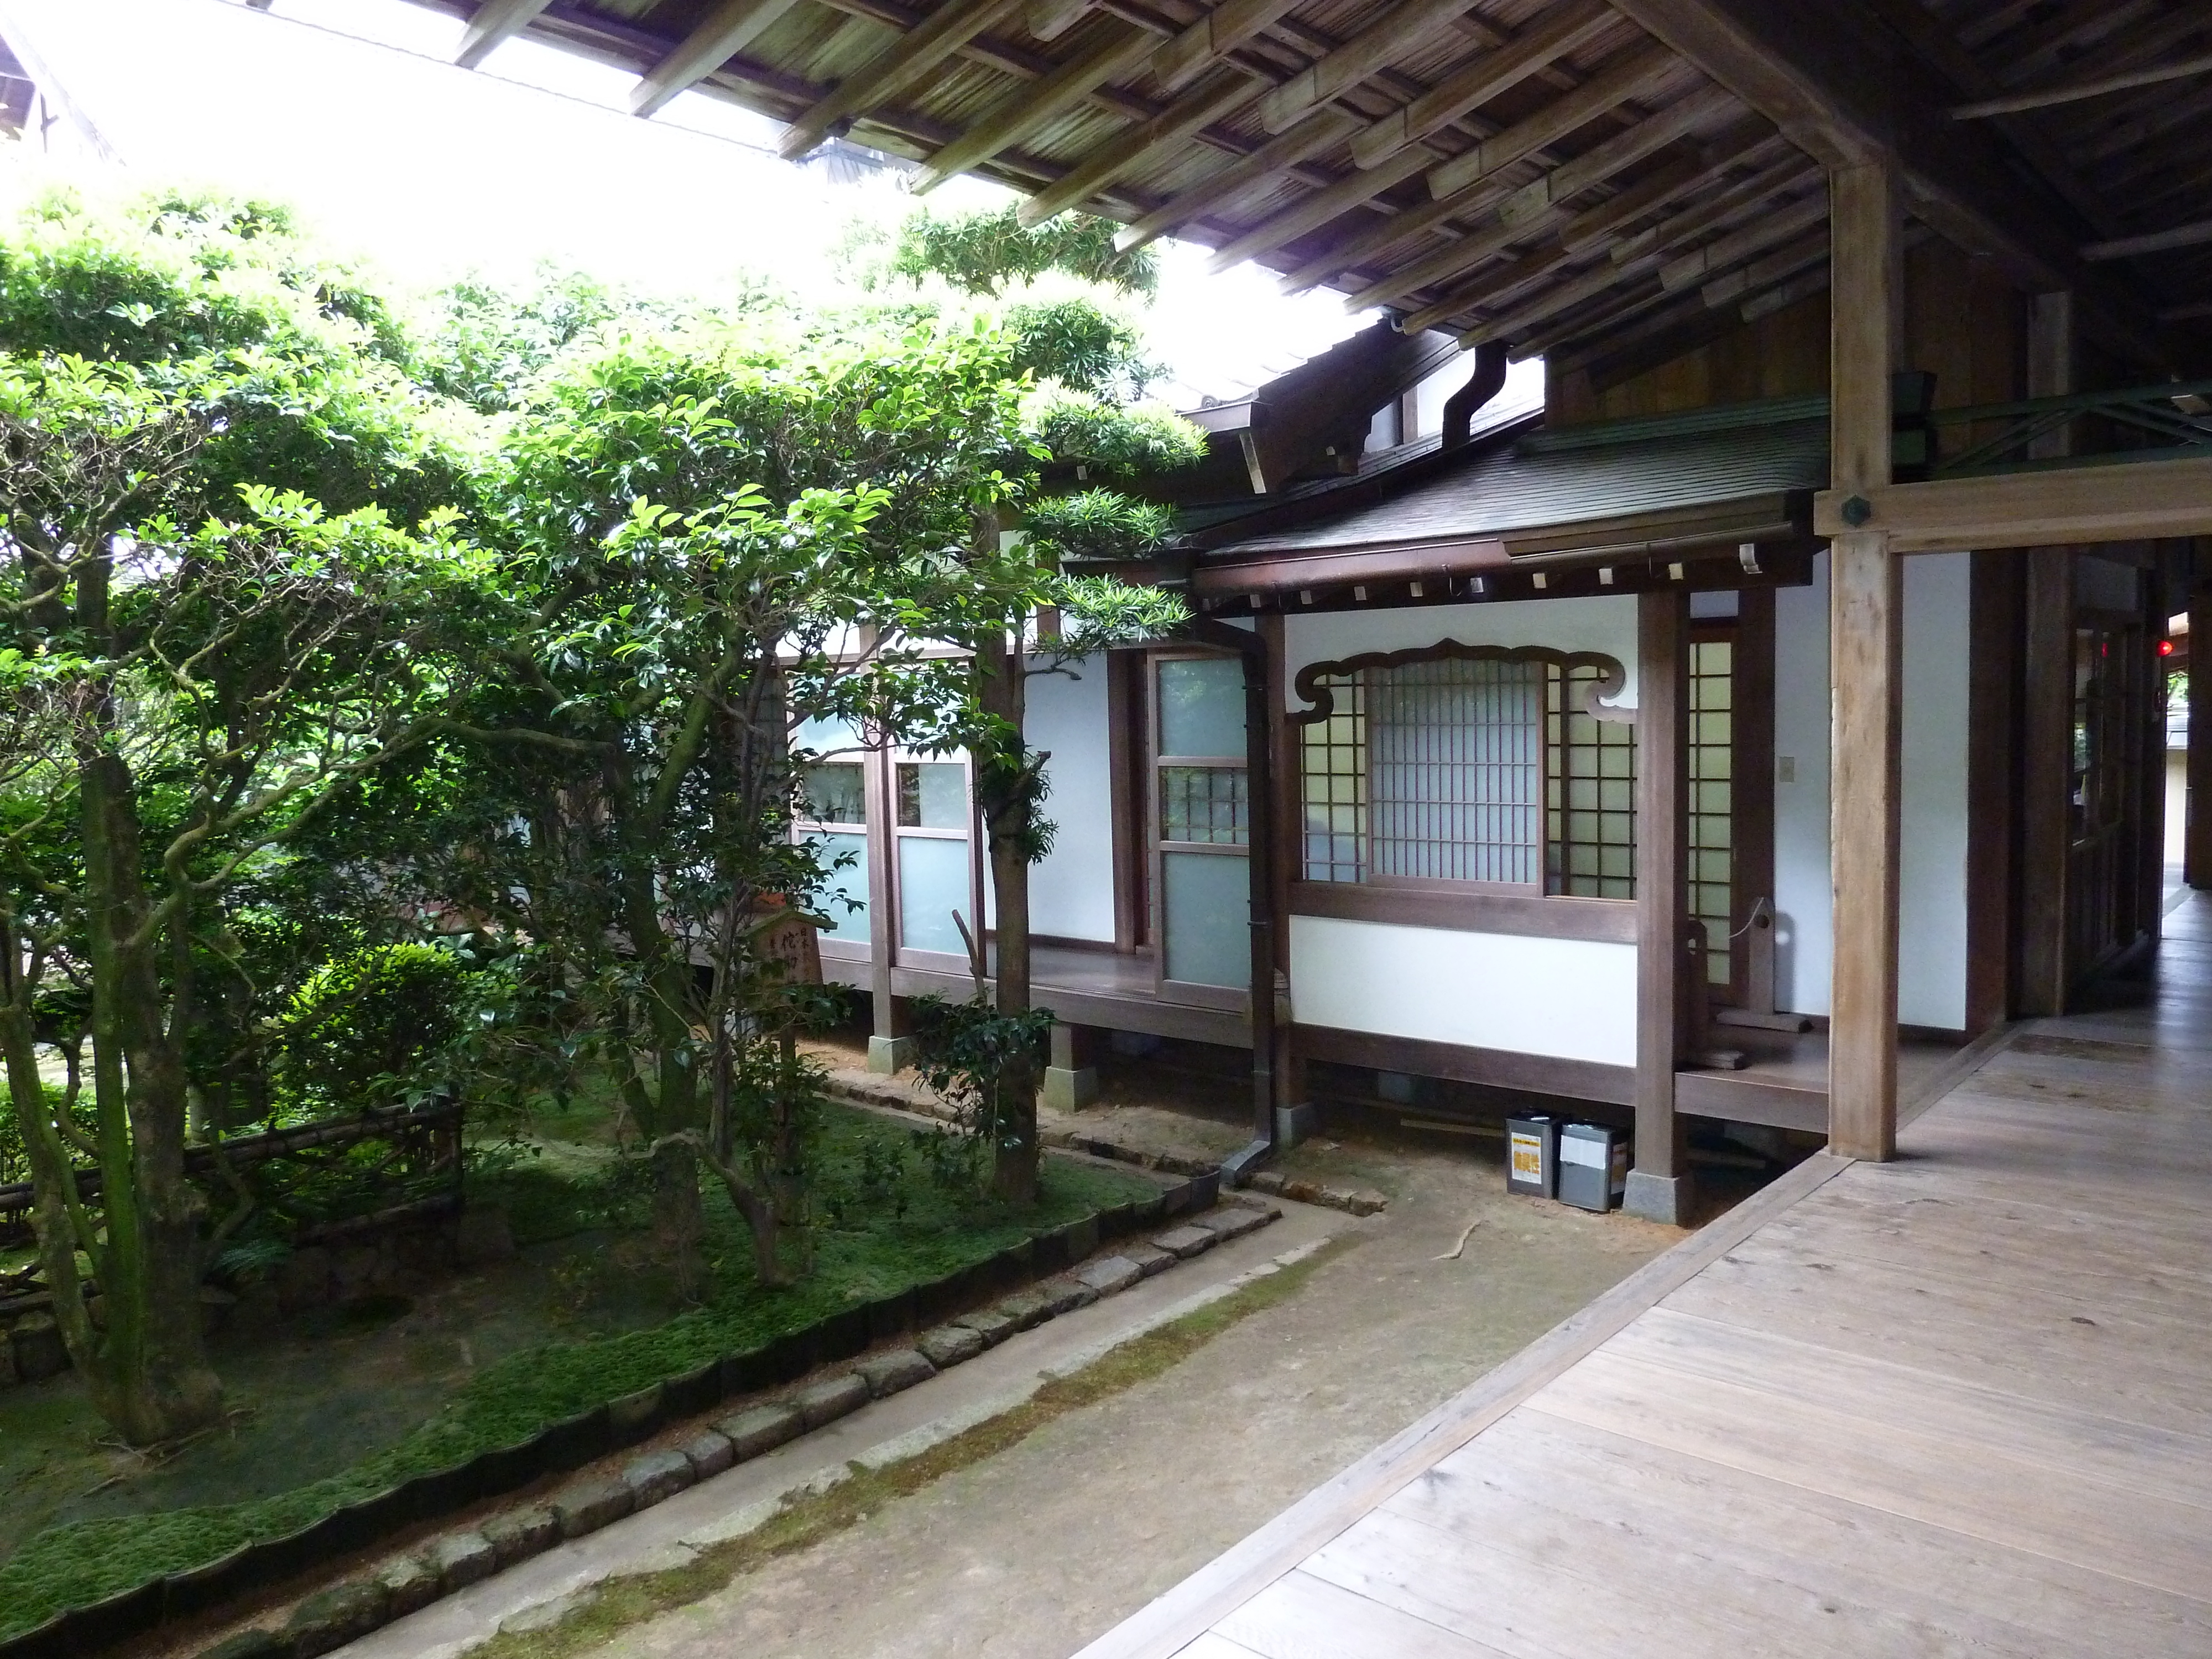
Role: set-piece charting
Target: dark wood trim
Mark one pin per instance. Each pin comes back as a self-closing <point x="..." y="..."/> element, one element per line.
<point x="2046" y="772"/>
<point x="1287" y="777"/>
<point x="1663" y="627"/>
<point x="1734" y="1098"/>
<point x="1536" y="916"/>
<point x="1992" y="716"/>
<point x="1125" y="801"/>
<point x="1154" y="1016"/>
<point x="1501" y="1068"/>
<point x="1321" y="701"/>
<point x="1753" y="782"/>
<point x="1104" y="947"/>
<point x="2196" y="855"/>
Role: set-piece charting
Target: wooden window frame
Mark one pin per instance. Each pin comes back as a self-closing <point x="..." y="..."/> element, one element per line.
<point x="906" y="956"/>
<point x="1457" y="906"/>
<point x="868" y="760"/>
<point x="1156" y="848"/>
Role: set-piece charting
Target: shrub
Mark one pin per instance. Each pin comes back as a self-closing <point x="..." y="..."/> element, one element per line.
<point x="370" y="1028"/>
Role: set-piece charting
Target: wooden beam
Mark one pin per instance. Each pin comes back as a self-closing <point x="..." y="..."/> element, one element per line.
<point x="721" y="34"/>
<point x="1180" y="59"/>
<point x="2120" y="501"/>
<point x="1866" y="666"/>
<point x="2075" y="91"/>
<point x="1309" y="212"/>
<point x="1637" y="76"/>
<point x="1622" y="150"/>
<point x="495" y="22"/>
<point x="1118" y="48"/>
<point x="1600" y="278"/>
<point x="1402" y="27"/>
<point x="897" y="68"/>
<point x="1737" y="247"/>
<point x="1495" y="288"/>
<point x="1662" y="637"/>
<point x="1846" y="91"/>
<point x="1225" y="91"/>
<point x="1048" y="19"/>
<point x="2046" y="772"/>
<point x="1730" y="286"/>
<point x="1567" y="29"/>
<point x="2197" y="832"/>
<point x="1772" y="180"/>
<point x="1317" y="132"/>
<point x="2158" y="241"/>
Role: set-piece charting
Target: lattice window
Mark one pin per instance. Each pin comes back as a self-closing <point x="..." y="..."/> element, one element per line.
<point x="1590" y="791"/>
<point x="1483" y="769"/>
<point x="1209" y="805"/>
<point x="1712" y="798"/>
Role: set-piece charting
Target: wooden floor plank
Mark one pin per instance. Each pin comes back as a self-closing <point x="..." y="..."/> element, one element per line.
<point x="1951" y="1591"/>
<point x="1301" y="1616"/>
<point x="2133" y="1535"/>
<point x="1957" y="1404"/>
<point x="2098" y="1447"/>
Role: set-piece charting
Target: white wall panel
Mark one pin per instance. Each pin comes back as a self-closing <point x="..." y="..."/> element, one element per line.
<point x="1595" y="623"/>
<point x="1932" y="932"/>
<point x="1568" y="998"/>
<point x="1071" y="891"/>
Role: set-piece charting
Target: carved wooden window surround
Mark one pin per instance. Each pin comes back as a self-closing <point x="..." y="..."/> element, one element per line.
<point x="1467" y="786"/>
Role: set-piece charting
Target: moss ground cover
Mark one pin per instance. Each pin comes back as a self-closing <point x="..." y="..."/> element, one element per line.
<point x="885" y="1224"/>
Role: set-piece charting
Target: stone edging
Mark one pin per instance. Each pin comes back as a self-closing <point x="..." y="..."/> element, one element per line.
<point x="413" y="1579"/>
<point x="860" y="1089"/>
<point x="592" y="1434"/>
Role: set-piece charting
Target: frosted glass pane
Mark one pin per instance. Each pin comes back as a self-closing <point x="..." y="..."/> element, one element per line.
<point x="849" y="883"/>
<point x="1202" y="706"/>
<point x="932" y="795"/>
<point x="833" y="794"/>
<point x="824" y="735"/>
<point x="1208" y="898"/>
<point x="933" y="885"/>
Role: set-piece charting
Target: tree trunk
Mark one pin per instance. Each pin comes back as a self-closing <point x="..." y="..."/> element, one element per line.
<point x="679" y="1226"/>
<point x="147" y="1370"/>
<point x="1008" y="810"/>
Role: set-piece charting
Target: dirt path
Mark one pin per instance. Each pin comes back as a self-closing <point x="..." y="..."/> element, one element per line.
<point x="1032" y="1552"/>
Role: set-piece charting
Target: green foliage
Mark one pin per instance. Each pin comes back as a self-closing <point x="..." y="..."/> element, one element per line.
<point x="965" y="1050"/>
<point x="370" y="1028"/>
<point x="488" y="346"/>
<point x="875" y="1253"/>
<point x="1097" y="526"/>
<point x="1081" y="345"/>
<point x="986" y="250"/>
<point x="14" y="1164"/>
<point x="1111" y="442"/>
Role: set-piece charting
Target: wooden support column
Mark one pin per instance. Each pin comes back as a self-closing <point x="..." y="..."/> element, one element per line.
<point x="2046" y="770"/>
<point x="1866" y="666"/>
<point x="2197" y="846"/>
<point x="1659" y="1183"/>
<point x="891" y="1040"/>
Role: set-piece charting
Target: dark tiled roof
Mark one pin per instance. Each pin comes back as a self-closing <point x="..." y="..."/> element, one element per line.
<point x="1538" y="482"/>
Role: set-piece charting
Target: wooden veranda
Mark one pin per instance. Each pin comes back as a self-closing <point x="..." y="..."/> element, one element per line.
<point x="1953" y="1402"/>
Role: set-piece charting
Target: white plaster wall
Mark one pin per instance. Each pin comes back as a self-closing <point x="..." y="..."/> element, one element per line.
<point x="1596" y="624"/>
<point x="1071" y="891"/>
<point x="1569" y="998"/>
<point x="1932" y="932"/>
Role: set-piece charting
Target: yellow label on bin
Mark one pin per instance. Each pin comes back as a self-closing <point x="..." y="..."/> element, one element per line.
<point x="1528" y="1157"/>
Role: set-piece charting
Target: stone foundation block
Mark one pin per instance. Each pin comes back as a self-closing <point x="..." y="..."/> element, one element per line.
<point x="329" y="1619"/>
<point x="520" y="1534"/>
<point x="950" y="1344"/>
<point x="710" y="1452"/>
<point x="461" y="1559"/>
<point x="761" y="1429"/>
<point x="902" y="1368"/>
<point x="833" y="1398"/>
<point x="655" y="1476"/>
<point x="409" y="1583"/>
<point x="586" y="1505"/>
<point x="1185" y="1242"/>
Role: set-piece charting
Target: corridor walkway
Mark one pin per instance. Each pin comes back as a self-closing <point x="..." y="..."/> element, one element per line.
<point x="1958" y="1403"/>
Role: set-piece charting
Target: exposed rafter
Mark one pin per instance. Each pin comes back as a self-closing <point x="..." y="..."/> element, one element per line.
<point x="1640" y="75"/>
<point x="2074" y="92"/>
<point x="1574" y="26"/>
<point x="1226" y="90"/>
<point x="1317" y="132"/>
<point x="1180" y="59"/>
<point x="2160" y="242"/>
<point x="1738" y="246"/>
<point x="894" y="70"/>
<point x="1405" y="25"/>
<point x="722" y="34"/>
<point x="1118" y="48"/>
<point x="495" y="20"/>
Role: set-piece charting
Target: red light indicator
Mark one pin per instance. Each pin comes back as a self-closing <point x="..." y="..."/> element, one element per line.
<point x="2166" y="647"/>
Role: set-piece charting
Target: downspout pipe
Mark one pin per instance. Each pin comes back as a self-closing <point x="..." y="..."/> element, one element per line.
<point x="1487" y="381"/>
<point x="1259" y="784"/>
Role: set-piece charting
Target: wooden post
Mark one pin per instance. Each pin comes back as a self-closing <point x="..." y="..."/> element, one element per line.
<point x="1866" y="666"/>
<point x="1659" y="1184"/>
<point x="2197" y="846"/>
<point x="890" y="1045"/>
<point x="2047" y="706"/>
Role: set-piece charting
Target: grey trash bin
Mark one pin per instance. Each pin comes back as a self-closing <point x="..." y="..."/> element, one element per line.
<point x="1532" y="1145"/>
<point x="1593" y="1165"/>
